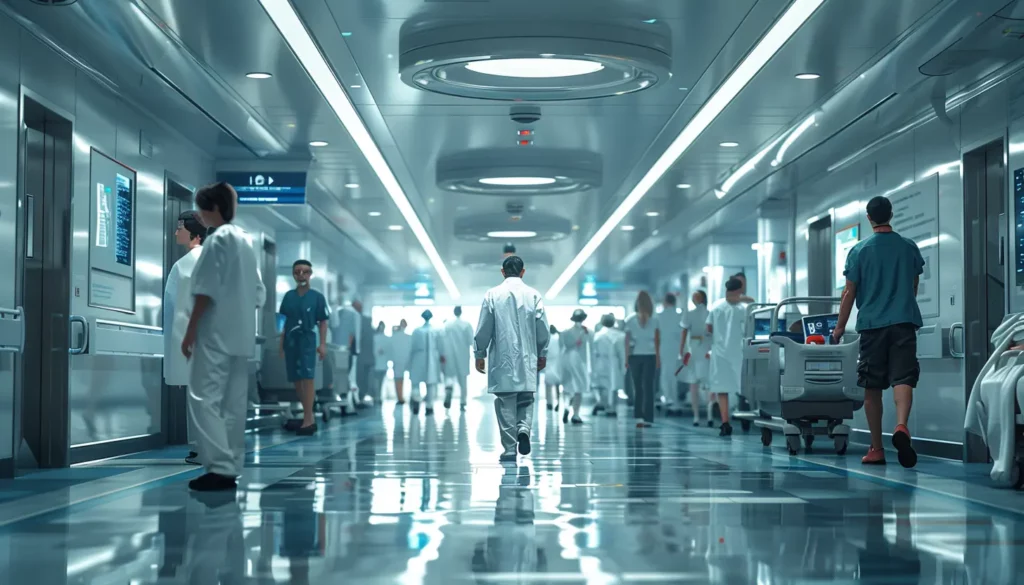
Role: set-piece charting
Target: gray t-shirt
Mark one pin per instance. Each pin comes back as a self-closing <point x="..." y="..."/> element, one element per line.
<point x="641" y="337"/>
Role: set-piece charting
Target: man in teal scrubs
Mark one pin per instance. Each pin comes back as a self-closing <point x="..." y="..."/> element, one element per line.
<point x="305" y="312"/>
<point x="882" y="274"/>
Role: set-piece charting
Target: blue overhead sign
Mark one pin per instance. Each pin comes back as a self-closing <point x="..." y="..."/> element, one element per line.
<point x="267" y="188"/>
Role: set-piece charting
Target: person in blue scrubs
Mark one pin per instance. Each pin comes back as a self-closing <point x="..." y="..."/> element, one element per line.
<point x="305" y="313"/>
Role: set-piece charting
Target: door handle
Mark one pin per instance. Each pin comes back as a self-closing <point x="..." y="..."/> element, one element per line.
<point x="1002" y="239"/>
<point x="85" y="338"/>
<point x="952" y="339"/>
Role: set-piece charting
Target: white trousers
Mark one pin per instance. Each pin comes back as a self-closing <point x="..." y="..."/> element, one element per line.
<point x="515" y="415"/>
<point x="416" y="395"/>
<point x="218" y="391"/>
<point x="461" y="381"/>
<point x="668" y="384"/>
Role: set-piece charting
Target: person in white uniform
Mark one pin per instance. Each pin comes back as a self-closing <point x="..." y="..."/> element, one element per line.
<point x="694" y="348"/>
<point x="670" y="332"/>
<point x="513" y="331"/>
<point x="553" y="371"/>
<point x="575" y="365"/>
<point x="460" y="340"/>
<point x="382" y="354"/>
<point x="725" y="327"/>
<point x="221" y="337"/>
<point x="401" y="347"/>
<point x="426" y="361"/>
<point x="346" y="327"/>
<point x="609" y="358"/>
<point x="177" y="310"/>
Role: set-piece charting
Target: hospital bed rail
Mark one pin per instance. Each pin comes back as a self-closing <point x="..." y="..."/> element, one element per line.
<point x="809" y="390"/>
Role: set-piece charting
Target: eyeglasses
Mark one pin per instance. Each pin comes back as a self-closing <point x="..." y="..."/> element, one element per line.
<point x="303" y="271"/>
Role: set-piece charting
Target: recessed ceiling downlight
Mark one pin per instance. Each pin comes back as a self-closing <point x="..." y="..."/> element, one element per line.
<point x="512" y="234"/>
<point x="535" y="68"/>
<point x="517" y="181"/>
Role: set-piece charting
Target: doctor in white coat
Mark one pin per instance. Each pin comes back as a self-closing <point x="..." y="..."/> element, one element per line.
<point x="221" y="337"/>
<point x="460" y="340"/>
<point x="725" y="326"/>
<point x="670" y="329"/>
<point x="576" y="364"/>
<point x="177" y="310"/>
<point x="553" y="371"/>
<point x="608" y="354"/>
<point x="400" y="348"/>
<point x="513" y="332"/>
<point x="426" y="360"/>
<point x="694" y="347"/>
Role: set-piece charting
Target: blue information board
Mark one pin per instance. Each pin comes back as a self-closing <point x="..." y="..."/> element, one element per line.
<point x="123" y="217"/>
<point x="267" y="188"/>
<point x="1018" y="211"/>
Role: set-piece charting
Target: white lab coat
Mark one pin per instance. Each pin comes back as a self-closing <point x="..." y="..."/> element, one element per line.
<point x="425" y="355"/>
<point x="177" y="307"/>
<point x="228" y="273"/>
<point x="698" y="344"/>
<point x="727" y="323"/>
<point x="513" y="331"/>
<point x="553" y="370"/>
<point x="670" y="329"/>
<point x="400" y="347"/>
<point x="608" y="353"/>
<point x="460" y="342"/>
<point x="381" y="351"/>
<point x="576" y="359"/>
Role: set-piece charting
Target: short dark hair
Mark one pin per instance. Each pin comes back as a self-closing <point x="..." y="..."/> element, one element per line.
<point x="553" y="329"/>
<point x="740" y="274"/>
<point x="302" y="263"/>
<point x="880" y="210"/>
<point x="510" y="248"/>
<point x="458" y="311"/>
<point x="703" y="295"/>
<point x="220" y="196"/>
<point x="190" y="221"/>
<point x="733" y="284"/>
<point x="512" y="266"/>
<point x="670" y="299"/>
<point x="608" y="320"/>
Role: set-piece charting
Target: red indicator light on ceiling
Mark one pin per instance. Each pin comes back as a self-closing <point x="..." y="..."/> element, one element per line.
<point x="526" y="132"/>
<point x="525" y="142"/>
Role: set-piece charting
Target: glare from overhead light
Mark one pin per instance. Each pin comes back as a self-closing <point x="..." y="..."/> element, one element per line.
<point x="683" y="186"/>
<point x="575" y="228"/>
<point x="287" y="21"/>
<point x="395" y="228"/>
<point x="318" y="143"/>
<point x="798" y="12"/>
<point x="589" y="302"/>
<point x="807" y="76"/>
<point x="511" y="234"/>
<point x="653" y="214"/>
<point x="791" y="139"/>
<point x="729" y="144"/>
<point x="517" y="181"/>
<point x="547" y="55"/>
<point x="258" y="75"/>
<point x="351" y="185"/>
<point x="374" y="214"/>
<point x="651" y="21"/>
<point x="355" y="86"/>
<point x="745" y="169"/>
<point x="627" y="228"/>
<point x="535" y="68"/>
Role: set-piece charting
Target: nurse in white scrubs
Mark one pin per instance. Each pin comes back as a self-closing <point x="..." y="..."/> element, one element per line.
<point x="694" y="348"/>
<point x="221" y="337"/>
<point x="608" y="354"/>
<point x="576" y="364"/>
<point x="459" y="334"/>
<point x="553" y="371"/>
<point x="401" y="347"/>
<point x="381" y="356"/>
<point x="670" y="331"/>
<point x="177" y="310"/>
<point x="426" y="361"/>
<point x="725" y="326"/>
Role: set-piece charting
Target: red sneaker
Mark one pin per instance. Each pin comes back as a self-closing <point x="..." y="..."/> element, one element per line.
<point x="874" y="457"/>
<point x="901" y="440"/>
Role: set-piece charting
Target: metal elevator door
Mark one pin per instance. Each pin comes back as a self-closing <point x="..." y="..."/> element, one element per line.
<point x="45" y="273"/>
<point x="985" y="252"/>
<point x="820" y="280"/>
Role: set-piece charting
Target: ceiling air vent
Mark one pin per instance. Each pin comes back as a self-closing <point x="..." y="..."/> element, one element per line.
<point x="515" y="209"/>
<point x="54" y="2"/>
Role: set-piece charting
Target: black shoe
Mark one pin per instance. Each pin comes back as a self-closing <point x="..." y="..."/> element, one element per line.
<point x="612" y="413"/>
<point x="696" y="423"/>
<point x="213" y="482"/>
<point x="711" y="424"/>
<point x="551" y="406"/>
<point x="725" y="430"/>
<point x="597" y="410"/>
<point x="307" y="431"/>
<point x="415" y="407"/>
<point x="293" y="424"/>
<point x="430" y="411"/>
<point x="193" y="458"/>
<point x="524" y="443"/>
<point x="577" y="420"/>
<point x="447" y="401"/>
<point x="565" y="417"/>
<point x="506" y="457"/>
<point x="462" y="408"/>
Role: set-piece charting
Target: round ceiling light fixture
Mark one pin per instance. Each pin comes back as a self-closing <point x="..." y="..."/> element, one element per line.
<point x="533" y="226"/>
<point x="258" y="75"/>
<point x="807" y="76"/>
<point x="318" y="143"/>
<point x="558" y="59"/>
<point x="517" y="171"/>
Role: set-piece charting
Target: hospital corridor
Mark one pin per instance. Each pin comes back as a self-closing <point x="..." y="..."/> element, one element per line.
<point x="431" y="292"/>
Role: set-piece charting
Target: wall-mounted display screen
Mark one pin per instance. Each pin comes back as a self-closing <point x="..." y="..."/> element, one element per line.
<point x="267" y="188"/>
<point x="112" y="237"/>
<point x="846" y="239"/>
<point x="1018" y="212"/>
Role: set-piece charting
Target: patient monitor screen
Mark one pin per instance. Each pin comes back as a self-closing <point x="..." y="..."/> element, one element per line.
<point x="763" y="326"/>
<point x="822" y="325"/>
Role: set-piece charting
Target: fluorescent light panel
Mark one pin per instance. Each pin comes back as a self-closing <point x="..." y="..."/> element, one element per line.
<point x="795" y="16"/>
<point x="301" y="43"/>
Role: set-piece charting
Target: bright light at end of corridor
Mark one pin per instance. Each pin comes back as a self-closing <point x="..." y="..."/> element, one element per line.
<point x="511" y="234"/>
<point x="535" y="68"/>
<point x="517" y="181"/>
<point x="785" y="27"/>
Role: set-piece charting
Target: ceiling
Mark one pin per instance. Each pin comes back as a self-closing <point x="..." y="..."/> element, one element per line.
<point x="416" y="129"/>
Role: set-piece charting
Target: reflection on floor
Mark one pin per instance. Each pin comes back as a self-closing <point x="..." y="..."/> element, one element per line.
<point x="391" y="498"/>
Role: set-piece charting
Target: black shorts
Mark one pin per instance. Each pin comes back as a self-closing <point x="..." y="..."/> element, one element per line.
<point x="888" y="357"/>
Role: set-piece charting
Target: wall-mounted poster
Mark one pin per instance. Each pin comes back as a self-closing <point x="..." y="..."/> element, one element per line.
<point x="915" y="215"/>
<point x="845" y="239"/>
<point x="112" y="234"/>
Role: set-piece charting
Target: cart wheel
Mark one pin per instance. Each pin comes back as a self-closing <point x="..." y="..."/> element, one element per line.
<point x="766" y="437"/>
<point x="793" y="444"/>
<point x="840" y="442"/>
<point x="808" y="441"/>
<point x="745" y="425"/>
<point x="1018" y="475"/>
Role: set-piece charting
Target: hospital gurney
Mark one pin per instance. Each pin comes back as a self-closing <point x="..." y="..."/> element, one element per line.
<point x="277" y="393"/>
<point x="994" y="406"/>
<point x="808" y="390"/>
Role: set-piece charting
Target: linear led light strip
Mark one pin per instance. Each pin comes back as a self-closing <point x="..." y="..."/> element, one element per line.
<point x="306" y="51"/>
<point x="795" y="16"/>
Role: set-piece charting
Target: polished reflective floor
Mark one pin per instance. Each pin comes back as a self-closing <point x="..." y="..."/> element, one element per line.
<point x="389" y="498"/>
